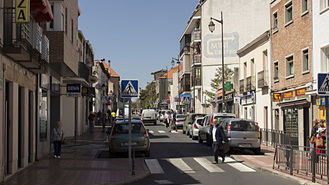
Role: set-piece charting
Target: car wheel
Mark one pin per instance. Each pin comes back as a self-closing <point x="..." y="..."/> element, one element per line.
<point x="199" y="139"/>
<point x="147" y="153"/>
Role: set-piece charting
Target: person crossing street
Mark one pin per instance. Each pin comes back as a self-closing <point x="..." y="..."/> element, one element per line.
<point x="219" y="139"/>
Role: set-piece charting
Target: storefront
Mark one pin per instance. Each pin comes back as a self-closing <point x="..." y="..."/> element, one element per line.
<point x="248" y="107"/>
<point x="229" y="103"/>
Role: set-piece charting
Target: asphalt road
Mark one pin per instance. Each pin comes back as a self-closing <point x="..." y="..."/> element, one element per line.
<point x="176" y="159"/>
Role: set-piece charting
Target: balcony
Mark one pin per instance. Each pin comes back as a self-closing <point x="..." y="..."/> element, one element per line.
<point x="185" y="42"/>
<point x="37" y="38"/>
<point x="250" y="84"/>
<point x="196" y="35"/>
<point x="262" y="80"/>
<point x="184" y="85"/>
<point x="242" y="89"/>
<point x="197" y="59"/>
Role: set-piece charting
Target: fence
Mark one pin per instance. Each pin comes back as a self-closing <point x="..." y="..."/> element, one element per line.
<point x="274" y="137"/>
<point x="301" y="160"/>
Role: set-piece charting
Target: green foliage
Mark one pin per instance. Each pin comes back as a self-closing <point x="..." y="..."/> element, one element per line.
<point x="216" y="83"/>
<point x="148" y="96"/>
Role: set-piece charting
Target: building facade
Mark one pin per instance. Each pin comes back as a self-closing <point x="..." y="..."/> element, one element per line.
<point x="291" y="65"/>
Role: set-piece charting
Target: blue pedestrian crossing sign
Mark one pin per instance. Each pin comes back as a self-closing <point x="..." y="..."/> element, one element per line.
<point x="129" y="88"/>
<point x="323" y="84"/>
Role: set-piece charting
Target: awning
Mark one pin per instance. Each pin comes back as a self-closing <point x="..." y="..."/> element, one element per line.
<point x="42" y="10"/>
<point x="301" y="103"/>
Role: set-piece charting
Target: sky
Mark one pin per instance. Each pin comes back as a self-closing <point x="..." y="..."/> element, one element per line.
<point x="138" y="36"/>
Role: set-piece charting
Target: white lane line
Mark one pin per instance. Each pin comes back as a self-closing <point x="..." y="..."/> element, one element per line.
<point x="239" y="166"/>
<point x="163" y="182"/>
<point x="154" y="166"/>
<point x="151" y="132"/>
<point x="181" y="165"/>
<point x="205" y="163"/>
<point x="161" y="131"/>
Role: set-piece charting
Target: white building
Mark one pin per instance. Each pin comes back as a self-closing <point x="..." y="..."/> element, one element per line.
<point x="243" y="22"/>
<point x="255" y="91"/>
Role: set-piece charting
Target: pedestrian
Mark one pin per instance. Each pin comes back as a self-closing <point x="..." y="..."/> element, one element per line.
<point x="113" y="115"/>
<point x="91" y="119"/>
<point x="174" y="120"/>
<point x="58" y="138"/>
<point x="313" y="137"/>
<point x="219" y="139"/>
<point x="320" y="140"/>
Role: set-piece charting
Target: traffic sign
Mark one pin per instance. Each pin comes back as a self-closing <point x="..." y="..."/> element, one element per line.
<point x="129" y="88"/>
<point x="323" y="84"/>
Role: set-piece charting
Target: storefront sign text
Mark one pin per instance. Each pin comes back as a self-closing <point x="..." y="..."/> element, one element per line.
<point x="301" y="92"/>
<point x="277" y="97"/>
<point x="288" y="94"/>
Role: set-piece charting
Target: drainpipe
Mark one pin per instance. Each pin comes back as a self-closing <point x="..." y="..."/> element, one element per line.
<point x="3" y="117"/>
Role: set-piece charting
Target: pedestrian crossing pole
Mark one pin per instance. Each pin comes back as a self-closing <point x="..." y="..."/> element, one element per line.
<point x="327" y="135"/>
<point x="131" y="162"/>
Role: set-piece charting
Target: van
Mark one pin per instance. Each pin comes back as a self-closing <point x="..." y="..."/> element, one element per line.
<point x="149" y="116"/>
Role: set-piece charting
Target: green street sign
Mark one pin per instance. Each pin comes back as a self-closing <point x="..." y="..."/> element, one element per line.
<point x="228" y="86"/>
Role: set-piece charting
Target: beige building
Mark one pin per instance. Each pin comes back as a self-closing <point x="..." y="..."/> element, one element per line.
<point x="24" y="57"/>
<point x="291" y="50"/>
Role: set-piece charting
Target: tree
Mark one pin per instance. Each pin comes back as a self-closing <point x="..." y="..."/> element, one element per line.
<point x="148" y="96"/>
<point x="216" y="83"/>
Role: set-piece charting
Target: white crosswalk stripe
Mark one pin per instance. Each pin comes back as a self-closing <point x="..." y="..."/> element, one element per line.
<point x="161" y="131"/>
<point x="181" y="165"/>
<point x="151" y="132"/>
<point x="154" y="166"/>
<point x="205" y="163"/>
<point x="239" y="166"/>
<point x="174" y="131"/>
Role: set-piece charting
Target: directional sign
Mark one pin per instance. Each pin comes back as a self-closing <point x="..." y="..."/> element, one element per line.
<point x="22" y="11"/>
<point x="323" y="84"/>
<point x="129" y="88"/>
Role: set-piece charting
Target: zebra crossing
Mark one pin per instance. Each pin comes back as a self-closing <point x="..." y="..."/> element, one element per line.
<point x="182" y="165"/>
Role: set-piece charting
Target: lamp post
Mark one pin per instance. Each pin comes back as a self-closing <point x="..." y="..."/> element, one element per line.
<point x="173" y="63"/>
<point x="212" y="29"/>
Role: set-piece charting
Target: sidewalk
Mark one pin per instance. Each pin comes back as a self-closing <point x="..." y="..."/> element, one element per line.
<point x="80" y="164"/>
<point x="265" y="163"/>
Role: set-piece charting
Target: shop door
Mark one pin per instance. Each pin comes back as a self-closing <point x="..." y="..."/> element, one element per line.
<point x="291" y="125"/>
<point x="7" y="134"/>
<point x="306" y="126"/>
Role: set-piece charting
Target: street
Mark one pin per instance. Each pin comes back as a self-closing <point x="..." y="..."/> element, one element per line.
<point x="184" y="161"/>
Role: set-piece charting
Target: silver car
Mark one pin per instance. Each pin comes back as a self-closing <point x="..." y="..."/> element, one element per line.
<point x="242" y="133"/>
<point x="180" y="118"/>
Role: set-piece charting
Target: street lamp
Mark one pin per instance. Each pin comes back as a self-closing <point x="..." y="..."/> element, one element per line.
<point x="212" y="29"/>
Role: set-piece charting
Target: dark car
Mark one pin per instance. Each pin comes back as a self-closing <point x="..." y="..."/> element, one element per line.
<point x="190" y="118"/>
<point x="119" y="137"/>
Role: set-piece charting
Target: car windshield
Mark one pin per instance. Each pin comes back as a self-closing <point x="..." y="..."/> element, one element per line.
<point x="124" y="129"/>
<point x="180" y="117"/>
<point x="243" y="126"/>
<point x="199" y="121"/>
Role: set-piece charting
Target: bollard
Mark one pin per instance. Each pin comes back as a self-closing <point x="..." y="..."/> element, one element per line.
<point x="313" y="158"/>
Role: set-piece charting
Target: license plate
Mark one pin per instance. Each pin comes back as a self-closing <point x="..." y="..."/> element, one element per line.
<point x="126" y="144"/>
<point x="244" y="145"/>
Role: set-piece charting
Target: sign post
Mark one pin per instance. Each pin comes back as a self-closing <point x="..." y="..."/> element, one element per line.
<point x="129" y="89"/>
<point x="323" y="89"/>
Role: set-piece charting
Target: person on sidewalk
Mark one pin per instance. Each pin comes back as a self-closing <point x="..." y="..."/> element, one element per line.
<point x="58" y="138"/>
<point x="91" y="119"/>
<point x="219" y="138"/>
<point x="320" y="140"/>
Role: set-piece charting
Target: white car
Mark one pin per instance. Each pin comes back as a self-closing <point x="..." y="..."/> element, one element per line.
<point x="149" y="116"/>
<point x="194" y="131"/>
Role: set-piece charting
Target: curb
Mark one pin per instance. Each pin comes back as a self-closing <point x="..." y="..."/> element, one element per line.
<point x="281" y="174"/>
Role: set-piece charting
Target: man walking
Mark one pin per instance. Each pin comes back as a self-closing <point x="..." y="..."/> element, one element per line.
<point x="219" y="138"/>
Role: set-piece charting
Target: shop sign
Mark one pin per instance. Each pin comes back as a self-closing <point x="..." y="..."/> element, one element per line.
<point x="321" y="101"/>
<point x="301" y="92"/>
<point x="277" y="97"/>
<point x="288" y="94"/>
<point x="73" y="90"/>
<point x="22" y="11"/>
<point x="229" y="97"/>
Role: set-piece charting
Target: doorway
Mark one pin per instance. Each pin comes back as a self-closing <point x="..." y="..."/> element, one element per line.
<point x="306" y="126"/>
<point x="30" y="126"/>
<point x="8" y="135"/>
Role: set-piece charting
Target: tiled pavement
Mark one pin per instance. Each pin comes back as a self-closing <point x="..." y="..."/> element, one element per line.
<point x="79" y="165"/>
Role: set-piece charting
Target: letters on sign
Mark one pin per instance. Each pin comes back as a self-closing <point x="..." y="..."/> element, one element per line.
<point x="277" y="97"/>
<point x="22" y="11"/>
<point x="301" y="92"/>
<point x="288" y="94"/>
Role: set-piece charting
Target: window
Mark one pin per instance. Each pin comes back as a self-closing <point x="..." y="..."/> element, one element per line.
<point x="324" y="4"/>
<point x="306" y="66"/>
<point x="304" y="6"/>
<point x="288" y="12"/>
<point x="72" y="30"/>
<point x="275" y="21"/>
<point x="51" y="24"/>
<point x="324" y="59"/>
<point x="198" y="73"/>
<point x="245" y="70"/>
<point x="289" y="66"/>
<point x="276" y="71"/>
<point x="265" y="65"/>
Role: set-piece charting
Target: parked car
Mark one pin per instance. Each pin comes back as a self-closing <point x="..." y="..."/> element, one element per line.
<point x="204" y="129"/>
<point x="194" y="130"/>
<point x="118" y="137"/>
<point x="190" y="118"/>
<point x="180" y="118"/>
<point x="242" y="134"/>
<point x="149" y="116"/>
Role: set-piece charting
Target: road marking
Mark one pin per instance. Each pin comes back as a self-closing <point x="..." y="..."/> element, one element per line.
<point x="208" y="165"/>
<point x="174" y="131"/>
<point x="154" y="166"/>
<point x="161" y="131"/>
<point x="151" y="132"/>
<point x="181" y="165"/>
<point x="163" y="182"/>
<point x="239" y="166"/>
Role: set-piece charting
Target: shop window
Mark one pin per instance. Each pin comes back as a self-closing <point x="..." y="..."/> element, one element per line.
<point x="291" y="124"/>
<point x="276" y="71"/>
<point x="324" y="4"/>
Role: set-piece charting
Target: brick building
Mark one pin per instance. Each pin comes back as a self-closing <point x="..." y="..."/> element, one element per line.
<point x="291" y="34"/>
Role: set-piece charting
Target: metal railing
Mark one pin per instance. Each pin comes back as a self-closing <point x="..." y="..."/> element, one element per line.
<point x="274" y="137"/>
<point x="196" y="35"/>
<point x="302" y="160"/>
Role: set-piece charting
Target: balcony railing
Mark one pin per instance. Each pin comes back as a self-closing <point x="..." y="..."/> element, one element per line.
<point x="196" y="59"/>
<point x="250" y="83"/>
<point x="262" y="79"/>
<point x="37" y="38"/>
<point x="196" y="35"/>
<point x="242" y="90"/>
<point x="196" y="82"/>
<point x="45" y="48"/>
